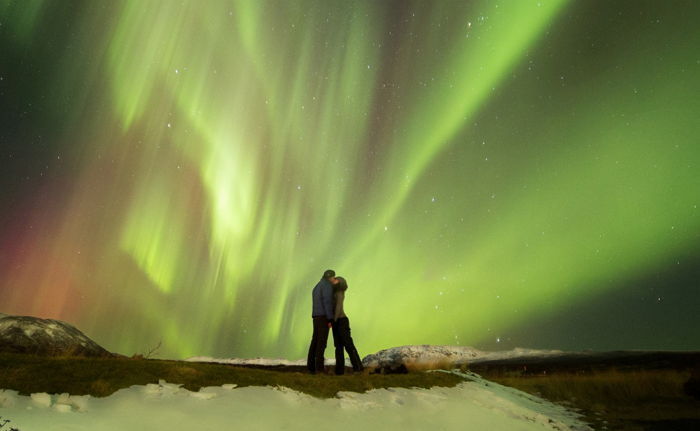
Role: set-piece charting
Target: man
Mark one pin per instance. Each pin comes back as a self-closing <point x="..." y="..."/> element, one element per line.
<point x="322" y="314"/>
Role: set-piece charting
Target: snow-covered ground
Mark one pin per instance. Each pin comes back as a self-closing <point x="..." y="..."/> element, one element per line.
<point x="415" y="354"/>
<point x="475" y="404"/>
<point x="255" y="361"/>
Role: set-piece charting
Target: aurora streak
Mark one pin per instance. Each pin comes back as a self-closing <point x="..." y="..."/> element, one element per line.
<point x="467" y="166"/>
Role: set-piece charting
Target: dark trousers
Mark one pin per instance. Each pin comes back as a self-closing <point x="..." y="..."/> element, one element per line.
<point x="314" y="362"/>
<point x="343" y="340"/>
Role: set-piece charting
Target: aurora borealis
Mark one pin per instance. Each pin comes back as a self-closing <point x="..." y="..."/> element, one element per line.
<point x="482" y="173"/>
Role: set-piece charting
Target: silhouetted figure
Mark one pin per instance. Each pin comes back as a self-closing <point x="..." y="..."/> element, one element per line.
<point x="322" y="315"/>
<point x="341" y="332"/>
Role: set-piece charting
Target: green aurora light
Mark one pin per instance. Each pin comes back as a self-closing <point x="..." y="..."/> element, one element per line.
<point x="227" y="152"/>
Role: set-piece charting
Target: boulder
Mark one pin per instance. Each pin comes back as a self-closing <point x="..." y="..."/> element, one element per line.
<point x="45" y="337"/>
<point x="423" y="357"/>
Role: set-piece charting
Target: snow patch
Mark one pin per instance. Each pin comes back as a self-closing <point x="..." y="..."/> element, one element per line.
<point x="473" y="404"/>
<point x="256" y="361"/>
<point x="422" y="356"/>
<point x="8" y="398"/>
<point x="41" y="399"/>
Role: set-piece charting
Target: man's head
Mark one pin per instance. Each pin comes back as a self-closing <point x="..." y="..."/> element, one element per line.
<point x="329" y="275"/>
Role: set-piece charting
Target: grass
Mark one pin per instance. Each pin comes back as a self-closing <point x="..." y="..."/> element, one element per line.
<point x="614" y="399"/>
<point x="101" y="377"/>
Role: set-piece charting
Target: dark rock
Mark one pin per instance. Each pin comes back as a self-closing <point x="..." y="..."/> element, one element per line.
<point x="45" y="337"/>
<point x="692" y="386"/>
<point x="390" y="369"/>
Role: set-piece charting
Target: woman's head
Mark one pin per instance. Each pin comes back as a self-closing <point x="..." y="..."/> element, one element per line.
<point x="342" y="283"/>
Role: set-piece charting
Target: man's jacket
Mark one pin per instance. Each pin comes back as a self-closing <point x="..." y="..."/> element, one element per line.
<point x="322" y="296"/>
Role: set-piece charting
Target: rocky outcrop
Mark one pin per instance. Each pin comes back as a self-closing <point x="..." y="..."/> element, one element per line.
<point x="427" y="357"/>
<point x="46" y="337"/>
<point x="423" y="357"/>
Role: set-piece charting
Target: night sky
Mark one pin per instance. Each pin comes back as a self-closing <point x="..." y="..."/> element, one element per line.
<point x="492" y="174"/>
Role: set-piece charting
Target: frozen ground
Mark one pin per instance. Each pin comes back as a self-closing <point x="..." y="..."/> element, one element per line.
<point x="256" y="361"/>
<point x="415" y="354"/>
<point x="476" y="404"/>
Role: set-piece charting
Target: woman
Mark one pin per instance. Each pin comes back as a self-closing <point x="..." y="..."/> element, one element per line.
<point x="341" y="332"/>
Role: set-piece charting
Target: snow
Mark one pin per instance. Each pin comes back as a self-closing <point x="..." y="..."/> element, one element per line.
<point x="45" y="335"/>
<point x="268" y="362"/>
<point x="431" y="356"/>
<point x="518" y="352"/>
<point x="52" y="330"/>
<point x="474" y="404"/>
<point x="255" y="361"/>
<point x="415" y="354"/>
<point x="41" y="399"/>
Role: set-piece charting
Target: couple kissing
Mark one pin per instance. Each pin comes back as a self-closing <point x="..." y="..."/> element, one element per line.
<point x="327" y="312"/>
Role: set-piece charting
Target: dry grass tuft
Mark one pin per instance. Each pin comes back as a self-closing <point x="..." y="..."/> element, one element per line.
<point x="612" y="386"/>
<point x="426" y="365"/>
<point x="101" y="388"/>
<point x="625" y="400"/>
